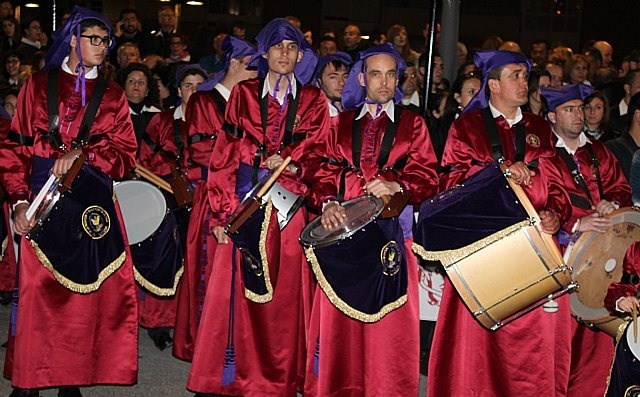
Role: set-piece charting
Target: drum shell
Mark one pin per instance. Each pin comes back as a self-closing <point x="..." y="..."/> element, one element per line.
<point x="509" y="275"/>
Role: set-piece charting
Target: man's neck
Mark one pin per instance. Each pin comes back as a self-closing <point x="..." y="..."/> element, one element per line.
<point x="570" y="142"/>
<point x="508" y="111"/>
<point x="229" y="81"/>
<point x="634" y="131"/>
<point x="72" y="63"/>
<point x="283" y="83"/>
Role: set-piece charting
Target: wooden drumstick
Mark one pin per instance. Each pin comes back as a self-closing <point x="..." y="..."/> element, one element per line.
<point x="263" y="190"/>
<point x="634" y="316"/>
<point x="153" y="178"/>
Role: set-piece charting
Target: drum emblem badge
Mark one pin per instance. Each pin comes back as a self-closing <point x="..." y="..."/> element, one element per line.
<point x="96" y="222"/>
<point x="633" y="391"/>
<point x="533" y="140"/>
<point x="391" y="258"/>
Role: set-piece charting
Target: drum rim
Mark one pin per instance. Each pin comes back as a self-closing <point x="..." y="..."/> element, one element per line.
<point x="151" y="188"/>
<point x="305" y="235"/>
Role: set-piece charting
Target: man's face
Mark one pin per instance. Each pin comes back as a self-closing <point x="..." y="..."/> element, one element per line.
<point x="12" y="65"/>
<point x="130" y="23"/>
<point x="188" y="86"/>
<point x="568" y="119"/>
<point x="136" y="87"/>
<point x="128" y="54"/>
<point x="8" y="28"/>
<point x="92" y="55"/>
<point x="6" y="9"/>
<point x="512" y="87"/>
<point x="247" y="73"/>
<point x="380" y="78"/>
<point x="438" y="70"/>
<point x="177" y="46"/>
<point x="167" y="20"/>
<point x="410" y="83"/>
<point x="327" y="47"/>
<point x="352" y="36"/>
<point x="33" y="31"/>
<point x="239" y="32"/>
<point x="556" y="75"/>
<point x="283" y="56"/>
<point x="607" y="52"/>
<point x="539" y="53"/>
<point x="10" y="104"/>
<point x="332" y="81"/>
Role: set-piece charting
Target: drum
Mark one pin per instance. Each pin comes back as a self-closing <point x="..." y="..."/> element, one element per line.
<point x="361" y="264"/>
<point x="625" y="372"/>
<point x="484" y="233"/>
<point x="596" y="260"/>
<point x="153" y="235"/>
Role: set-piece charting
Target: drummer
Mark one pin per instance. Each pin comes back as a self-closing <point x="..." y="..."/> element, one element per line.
<point x="268" y="119"/>
<point x="345" y="354"/>
<point x="531" y="355"/>
<point x="204" y="118"/>
<point x="67" y="339"/>
<point x="597" y="186"/>
<point x="331" y="75"/>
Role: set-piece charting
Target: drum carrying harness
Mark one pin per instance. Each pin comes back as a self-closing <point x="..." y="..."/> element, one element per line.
<point x="356" y="149"/>
<point x="578" y="178"/>
<point x="221" y="105"/>
<point x="494" y="138"/>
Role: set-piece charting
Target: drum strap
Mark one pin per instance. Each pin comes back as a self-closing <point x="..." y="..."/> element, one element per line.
<point x="494" y="138"/>
<point x="178" y="140"/>
<point x="221" y="105"/>
<point x="387" y="140"/>
<point x="20" y="139"/>
<point x="82" y="139"/>
<point x="595" y="164"/>
<point x="579" y="178"/>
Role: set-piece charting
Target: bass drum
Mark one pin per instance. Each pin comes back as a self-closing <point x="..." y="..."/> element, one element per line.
<point x="596" y="260"/>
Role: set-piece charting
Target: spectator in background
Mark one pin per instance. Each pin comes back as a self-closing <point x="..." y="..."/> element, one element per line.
<point x="239" y="30"/>
<point x="607" y="52"/>
<point x="214" y="62"/>
<point x="142" y="94"/>
<point x="462" y="54"/>
<point x="33" y="40"/>
<point x="631" y="86"/>
<point x="327" y="45"/>
<point x="179" y="44"/>
<point x="560" y="55"/>
<point x="397" y="35"/>
<point x="537" y="78"/>
<point x="510" y="46"/>
<point x="11" y="78"/>
<point x="353" y="43"/>
<point x="625" y="146"/>
<point x="129" y="30"/>
<point x="596" y="117"/>
<point x="10" y="102"/>
<point x="594" y="60"/>
<point x="6" y="10"/>
<point x="576" y="70"/>
<point x="127" y="53"/>
<point x="295" y="21"/>
<point x="10" y="34"/>
<point x="163" y="76"/>
<point x="539" y="52"/>
<point x="492" y="43"/>
<point x="168" y="25"/>
<point x="555" y="71"/>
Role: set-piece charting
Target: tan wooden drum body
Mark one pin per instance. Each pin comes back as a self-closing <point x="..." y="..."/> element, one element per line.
<point x="596" y="260"/>
<point x="509" y="277"/>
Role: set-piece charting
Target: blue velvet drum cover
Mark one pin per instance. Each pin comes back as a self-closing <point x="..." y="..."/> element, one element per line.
<point x="81" y="229"/>
<point x="625" y="373"/>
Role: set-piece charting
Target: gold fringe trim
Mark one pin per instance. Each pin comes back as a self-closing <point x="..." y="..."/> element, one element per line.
<point x="342" y="305"/>
<point x="154" y="289"/>
<point x="252" y="296"/>
<point x="73" y="286"/>
<point x="451" y="256"/>
<point x="5" y="243"/>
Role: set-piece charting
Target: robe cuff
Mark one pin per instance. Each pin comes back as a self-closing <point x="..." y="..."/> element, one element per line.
<point x="220" y="219"/>
<point x="19" y="197"/>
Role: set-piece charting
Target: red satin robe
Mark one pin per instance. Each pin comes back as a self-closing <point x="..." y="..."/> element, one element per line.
<point x="202" y="117"/>
<point x="380" y="358"/>
<point x="590" y="349"/>
<point x="65" y="338"/>
<point x="531" y="355"/>
<point x="269" y="337"/>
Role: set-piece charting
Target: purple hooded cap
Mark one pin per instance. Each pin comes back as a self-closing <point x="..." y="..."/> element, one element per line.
<point x="191" y="68"/>
<point x="353" y="94"/>
<point x="233" y="48"/>
<point x="341" y="57"/>
<point x="273" y="33"/>
<point x="62" y="39"/>
<point x="487" y="61"/>
<point x="557" y="96"/>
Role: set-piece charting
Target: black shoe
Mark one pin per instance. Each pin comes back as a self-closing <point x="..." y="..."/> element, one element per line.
<point x="24" y="393"/>
<point x="161" y="337"/>
<point x="71" y="391"/>
<point x="5" y="297"/>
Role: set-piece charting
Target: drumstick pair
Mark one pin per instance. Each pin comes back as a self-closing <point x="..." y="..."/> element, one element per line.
<point x="153" y="178"/>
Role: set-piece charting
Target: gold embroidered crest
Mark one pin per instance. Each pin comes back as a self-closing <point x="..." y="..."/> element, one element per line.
<point x="96" y="222"/>
<point x="533" y="140"/>
<point x="390" y="257"/>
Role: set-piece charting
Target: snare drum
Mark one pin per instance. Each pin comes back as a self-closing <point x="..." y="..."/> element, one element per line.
<point x="361" y="264"/>
<point x="596" y="260"/>
<point x="153" y="236"/>
<point x="625" y="373"/>
<point x="484" y="233"/>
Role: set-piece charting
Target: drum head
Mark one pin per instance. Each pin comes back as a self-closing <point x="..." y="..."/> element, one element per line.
<point x="597" y="261"/>
<point x="360" y="212"/>
<point x="143" y="208"/>
<point x="634" y="346"/>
